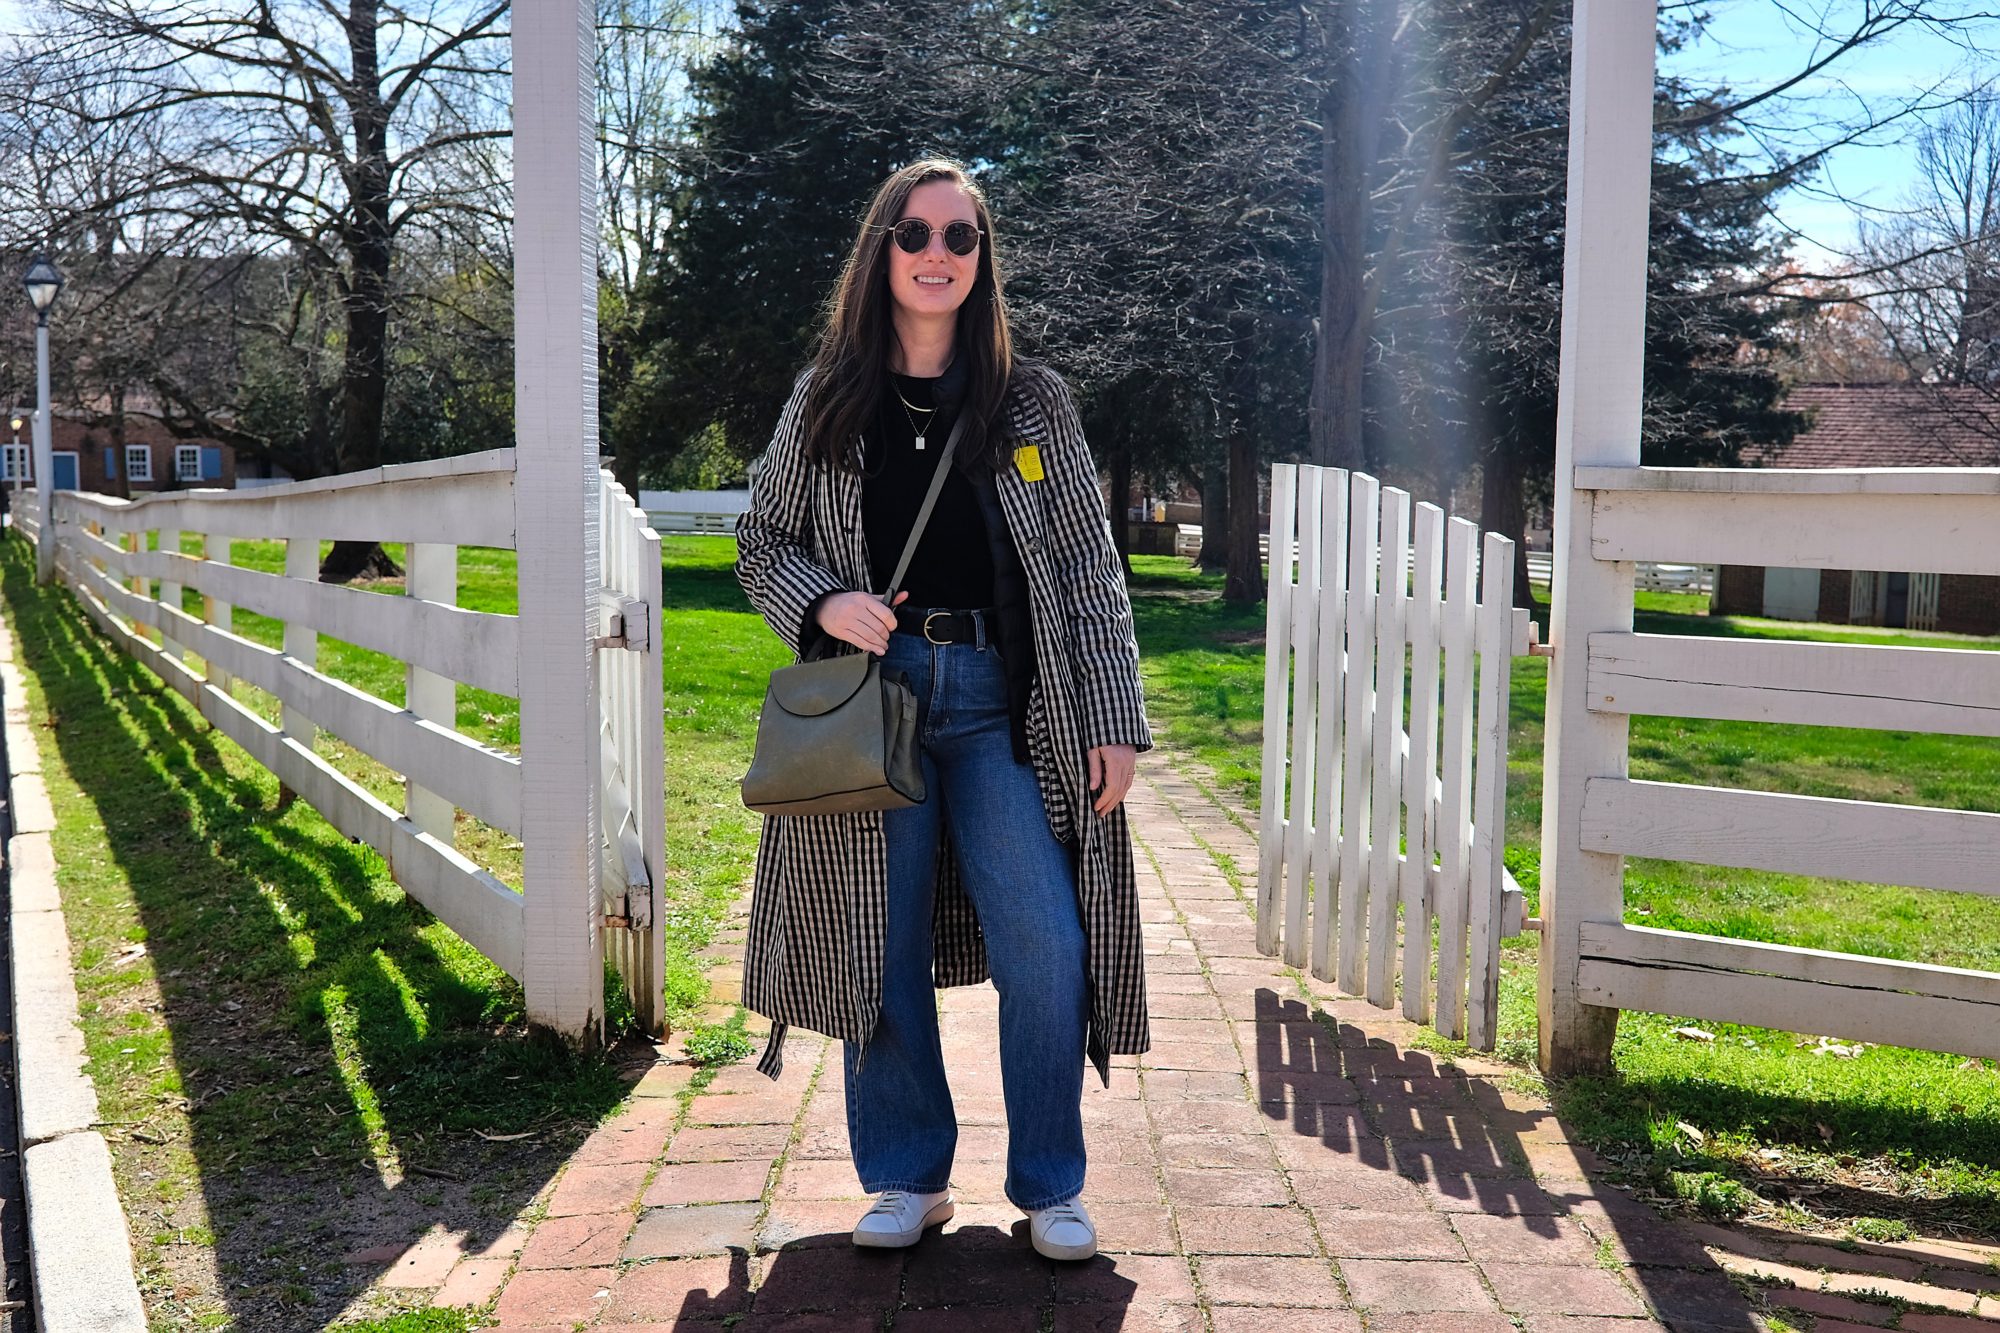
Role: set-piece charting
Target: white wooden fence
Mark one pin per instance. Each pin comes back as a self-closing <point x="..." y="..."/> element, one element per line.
<point x="24" y="513"/>
<point x="1938" y="519"/>
<point x="694" y="511"/>
<point x="1372" y="822"/>
<point x="1648" y="576"/>
<point x="633" y="768"/>
<point x="103" y="555"/>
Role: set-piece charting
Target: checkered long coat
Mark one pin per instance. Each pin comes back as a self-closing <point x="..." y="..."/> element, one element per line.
<point x="813" y="957"/>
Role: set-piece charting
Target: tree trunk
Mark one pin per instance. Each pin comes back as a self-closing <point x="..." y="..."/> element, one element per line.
<point x="123" y="485"/>
<point x="1335" y="409"/>
<point x="625" y="470"/>
<point x="1214" y="555"/>
<point x="1502" y="510"/>
<point x="1360" y="37"/>
<point x="1119" y="463"/>
<point x="1244" y="580"/>
<point x="364" y="380"/>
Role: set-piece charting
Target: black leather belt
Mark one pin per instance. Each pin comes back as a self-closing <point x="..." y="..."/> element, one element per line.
<point x="942" y="626"/>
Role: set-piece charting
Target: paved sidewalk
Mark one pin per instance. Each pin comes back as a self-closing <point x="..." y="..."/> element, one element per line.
<point x="1259" y="1171"/>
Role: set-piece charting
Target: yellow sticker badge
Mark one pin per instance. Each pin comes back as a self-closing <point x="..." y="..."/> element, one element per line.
<point x="1028" y="462"/>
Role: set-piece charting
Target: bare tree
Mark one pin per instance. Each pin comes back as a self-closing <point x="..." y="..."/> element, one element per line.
<point x="1938" y="262"/>
<point x="645" y="51"/>
<point x="316" y="141"/>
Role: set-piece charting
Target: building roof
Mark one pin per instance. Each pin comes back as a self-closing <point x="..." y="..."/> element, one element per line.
<point x="1893" y="425"/>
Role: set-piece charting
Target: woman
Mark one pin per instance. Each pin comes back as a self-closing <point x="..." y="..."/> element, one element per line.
<point x="1016" y="636"/>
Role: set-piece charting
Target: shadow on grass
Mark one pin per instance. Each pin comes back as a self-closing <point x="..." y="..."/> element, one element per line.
<point x="1615" y="1110"/>
<point x="329" y="1048"/>
<point x="704" y="574"/>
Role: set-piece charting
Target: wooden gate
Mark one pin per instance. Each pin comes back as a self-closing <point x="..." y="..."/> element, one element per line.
<point x="1611" y="512"/>
<point x="632" y="767"/>
<point x="1383" y="834"/>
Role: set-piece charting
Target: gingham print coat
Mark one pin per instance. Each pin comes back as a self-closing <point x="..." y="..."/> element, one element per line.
<point x="813" y="957"/>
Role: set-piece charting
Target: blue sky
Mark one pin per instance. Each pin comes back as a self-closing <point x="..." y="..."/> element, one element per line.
<point x="1752" y="43"/>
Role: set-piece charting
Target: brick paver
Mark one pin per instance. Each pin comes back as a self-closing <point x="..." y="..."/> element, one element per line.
<point x="1283" y="1160"/>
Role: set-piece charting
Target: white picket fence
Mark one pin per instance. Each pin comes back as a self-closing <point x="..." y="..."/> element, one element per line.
<point x="633" y="767"/>
<point x="1375" y="831"/>
<point x="110" y="552"/>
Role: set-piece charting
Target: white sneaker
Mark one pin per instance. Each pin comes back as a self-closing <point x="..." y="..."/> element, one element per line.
<point x="899" y="1218"/>
<point x="1063" y="1231"/>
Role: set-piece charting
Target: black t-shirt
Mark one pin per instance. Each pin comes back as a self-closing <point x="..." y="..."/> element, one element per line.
<point x="952" y="566"/>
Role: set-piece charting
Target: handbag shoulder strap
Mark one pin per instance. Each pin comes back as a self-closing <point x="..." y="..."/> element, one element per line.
<point x="924" y="514"/>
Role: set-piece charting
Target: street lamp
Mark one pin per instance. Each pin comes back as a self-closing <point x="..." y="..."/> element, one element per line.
<point x="43" y="281"/>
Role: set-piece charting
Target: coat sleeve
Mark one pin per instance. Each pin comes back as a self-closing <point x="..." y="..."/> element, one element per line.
<point x="774" y="536"/>
<point x="1087" y="563"/>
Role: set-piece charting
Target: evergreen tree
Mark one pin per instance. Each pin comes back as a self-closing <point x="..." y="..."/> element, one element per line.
<point x="765" y="215"/>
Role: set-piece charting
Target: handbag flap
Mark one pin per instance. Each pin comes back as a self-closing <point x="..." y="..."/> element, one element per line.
<point x="811" y="688"/>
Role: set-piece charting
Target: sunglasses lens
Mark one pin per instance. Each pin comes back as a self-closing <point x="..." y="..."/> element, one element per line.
<point x="961" y="238"/>
<point x="913" y="234"/>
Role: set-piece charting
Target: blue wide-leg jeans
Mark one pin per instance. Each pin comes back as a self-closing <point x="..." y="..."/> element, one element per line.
<point x="900" y="1123"/>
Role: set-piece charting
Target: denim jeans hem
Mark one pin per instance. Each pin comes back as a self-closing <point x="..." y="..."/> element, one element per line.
<point x="1060" y="1196"/>
<point x="906" y="1187"/>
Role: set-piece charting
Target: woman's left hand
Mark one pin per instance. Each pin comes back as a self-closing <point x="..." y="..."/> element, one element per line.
<point x="1111" y="769"/>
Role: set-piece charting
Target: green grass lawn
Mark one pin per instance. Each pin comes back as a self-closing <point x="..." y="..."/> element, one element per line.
<point x="285" y="1046"/>
<point x="1888" y="1133"/>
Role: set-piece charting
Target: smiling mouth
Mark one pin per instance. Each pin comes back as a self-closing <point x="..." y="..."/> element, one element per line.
<point x="932" y="280"/>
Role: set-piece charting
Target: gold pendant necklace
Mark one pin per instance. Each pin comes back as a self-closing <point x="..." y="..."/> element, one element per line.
<point x="909" y="407"/>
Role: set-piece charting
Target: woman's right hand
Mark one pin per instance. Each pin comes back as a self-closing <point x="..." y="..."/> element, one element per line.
<point x="859" y="618"/>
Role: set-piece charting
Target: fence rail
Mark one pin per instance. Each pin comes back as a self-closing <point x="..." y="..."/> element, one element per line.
<point x="129" y="565"/>
<point x="694" y="511"/>
<point x="1791" y="518"/>
<point x="1377" y="828"/>
<point x="1647" y="575"/>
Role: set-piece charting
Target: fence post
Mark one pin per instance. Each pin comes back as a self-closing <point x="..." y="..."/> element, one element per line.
<point x="556" y="510"/>
<point x="170" y="593"/>
<point x="135" y="542"/>
<point x="431" y="573"/>
<point x="301" y="639"/>
<point x="1597" y="422"/>
<point x="217" y="550"/>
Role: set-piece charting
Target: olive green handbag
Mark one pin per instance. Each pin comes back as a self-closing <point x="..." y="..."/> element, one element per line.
<point x="838" y="734"/>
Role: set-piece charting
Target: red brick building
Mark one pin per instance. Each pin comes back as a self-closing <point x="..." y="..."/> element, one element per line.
<point x="1879" y="425"/>
<point x="88" y="459"/>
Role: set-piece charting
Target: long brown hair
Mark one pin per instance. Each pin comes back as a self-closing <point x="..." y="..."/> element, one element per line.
<point x="851" y="368"/>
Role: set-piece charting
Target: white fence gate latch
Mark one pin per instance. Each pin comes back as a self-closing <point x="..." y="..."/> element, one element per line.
<point x="623" y="622"/>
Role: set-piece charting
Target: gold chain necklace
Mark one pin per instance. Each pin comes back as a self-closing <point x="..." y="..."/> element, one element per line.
<point x="909" y="407"/>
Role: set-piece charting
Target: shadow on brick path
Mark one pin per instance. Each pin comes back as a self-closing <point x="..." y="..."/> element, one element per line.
<point x="1282" y="1160"/>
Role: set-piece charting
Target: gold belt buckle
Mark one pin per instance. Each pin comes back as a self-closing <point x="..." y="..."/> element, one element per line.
<point x="927" y="629"/>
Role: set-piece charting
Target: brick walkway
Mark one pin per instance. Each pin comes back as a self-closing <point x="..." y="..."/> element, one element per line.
<point x="1259" y="1171"/>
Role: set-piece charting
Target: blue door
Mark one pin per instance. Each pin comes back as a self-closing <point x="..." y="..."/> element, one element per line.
<point x="62" y="476"/>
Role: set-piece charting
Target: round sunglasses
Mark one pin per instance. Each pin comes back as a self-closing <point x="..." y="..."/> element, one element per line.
<point x="913" y="236"/>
